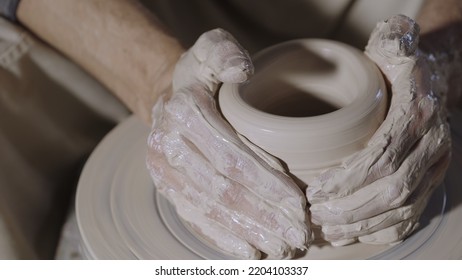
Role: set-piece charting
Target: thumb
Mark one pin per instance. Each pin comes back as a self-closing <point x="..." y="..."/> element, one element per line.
<point x="215" y="57"/>
<point x="393" y="44"/>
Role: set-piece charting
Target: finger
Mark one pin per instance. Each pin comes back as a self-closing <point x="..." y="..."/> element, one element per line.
<point x="391" y="234"/>
<point x="243" y="228"/>
<point x="212" y="231"/>
<point x="392" y="219"/>
<point x="268" y="158"/>
<point x="191" y="203"/>
<point x="215" y="57"/>
<point x="184" y="157"/>
<point x="392" y="43"/>
<point x="409" y="118"/>
<point x="173" y="159"/>
<point x="401" y="230"/>
<point x="173" y="185"/>
<point x="343" y="242"/>
<point x="227" y="60"/>
<point x="216" y="140"/>
<point x="414" y="207"/>
<point x="405" y="124"/>
<point x="413" y="110"/>
<point x="389" y="192"/>
<point x="333" y="233"/>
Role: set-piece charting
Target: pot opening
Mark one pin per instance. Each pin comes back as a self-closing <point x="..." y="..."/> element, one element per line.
<point x="297" y="103"/>
<point x="295" y="81"/>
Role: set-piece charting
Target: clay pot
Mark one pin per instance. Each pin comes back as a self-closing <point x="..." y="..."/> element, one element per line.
<point x="311" y="103"/>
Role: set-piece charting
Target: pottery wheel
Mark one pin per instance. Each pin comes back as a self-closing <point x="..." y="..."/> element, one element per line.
<point x="121" y="216"/>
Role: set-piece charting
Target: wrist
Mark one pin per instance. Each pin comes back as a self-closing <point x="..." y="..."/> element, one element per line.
<point x="160" y="87"/>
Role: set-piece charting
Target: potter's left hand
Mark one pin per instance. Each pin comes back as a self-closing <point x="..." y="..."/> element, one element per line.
<point x="378" y="194"/>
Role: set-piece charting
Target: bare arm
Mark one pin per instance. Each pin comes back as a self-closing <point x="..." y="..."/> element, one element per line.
<point x="218" y="184"/>
<point x="436" y="15"/>
<point x="117" y="41"/>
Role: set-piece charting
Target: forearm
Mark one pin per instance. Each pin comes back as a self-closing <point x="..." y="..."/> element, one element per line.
<point x="117" y="41"/>
<point x="441" y="22"/>
<point x="439" y="14"/>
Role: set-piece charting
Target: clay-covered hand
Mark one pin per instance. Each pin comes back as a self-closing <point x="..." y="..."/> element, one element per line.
<point x="378" y="194"/>
<point x="234" y="195"/>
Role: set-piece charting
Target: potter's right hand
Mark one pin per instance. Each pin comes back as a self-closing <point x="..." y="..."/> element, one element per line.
<point x="378" y="195"/>
<point x="231" y="194"/>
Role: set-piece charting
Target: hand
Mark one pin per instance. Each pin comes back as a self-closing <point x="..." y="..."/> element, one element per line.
<point x="378" y="194"/>
<point x="240" y="201"/>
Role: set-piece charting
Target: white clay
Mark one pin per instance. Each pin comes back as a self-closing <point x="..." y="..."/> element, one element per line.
<point x="226" y="191"/>
<point x="237" y="196"/>
<point x="379" y="193"/>
<point x="320" y="76"/>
